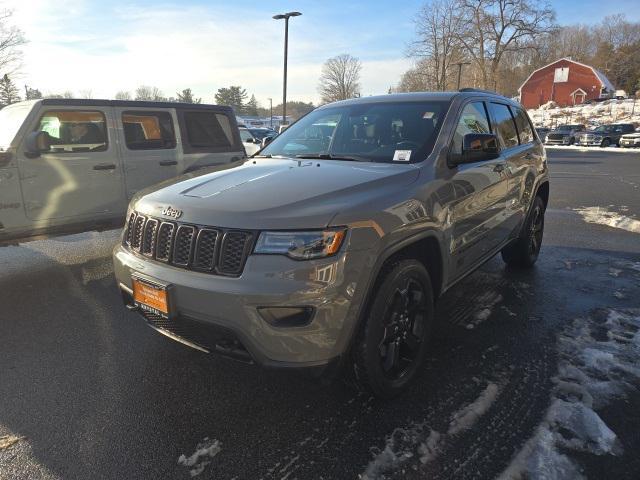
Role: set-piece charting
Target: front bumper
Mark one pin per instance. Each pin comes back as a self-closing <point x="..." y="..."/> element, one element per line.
<point x="589" y="143"/>
<point x="562" y="141"/>
<point x="207" y="307"/>
<point x="630" y="143"/>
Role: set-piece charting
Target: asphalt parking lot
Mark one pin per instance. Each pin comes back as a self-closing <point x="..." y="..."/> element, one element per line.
<point x="87" y="390"/>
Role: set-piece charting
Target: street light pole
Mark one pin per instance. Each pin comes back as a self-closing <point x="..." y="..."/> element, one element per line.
<point x="286" y="17"/>
<point x="460" y="64"/>
<point x="271" y="112"/>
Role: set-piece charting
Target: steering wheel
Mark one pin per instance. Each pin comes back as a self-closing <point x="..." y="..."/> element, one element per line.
<point x="408" y="145"/>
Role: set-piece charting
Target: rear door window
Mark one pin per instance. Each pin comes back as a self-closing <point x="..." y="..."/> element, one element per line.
<point x="504" y="125"/>
<point x="75" y="130"/>
<point x="525" y="132"/>
<point x="148" y="130"/>
<point x="208" y="131"/>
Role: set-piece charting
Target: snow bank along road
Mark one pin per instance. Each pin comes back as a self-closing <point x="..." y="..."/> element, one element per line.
<point x="531" y="374"/>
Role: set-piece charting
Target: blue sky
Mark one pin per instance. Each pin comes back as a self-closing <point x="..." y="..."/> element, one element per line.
<point x="101" y="46"/>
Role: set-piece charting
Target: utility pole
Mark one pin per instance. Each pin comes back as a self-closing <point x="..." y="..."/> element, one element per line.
<point x="271" y="112"/>
<point x="286" y="17"/>
<point x="460" y="64"/>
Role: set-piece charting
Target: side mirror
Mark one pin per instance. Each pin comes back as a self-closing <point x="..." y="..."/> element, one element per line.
<point x="37" y="143"/>
<point x="478" y="147"/>
<point x="266" y="141"/>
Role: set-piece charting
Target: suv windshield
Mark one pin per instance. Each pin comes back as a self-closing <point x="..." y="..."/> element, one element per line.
<point x="568" y="128"/>
<point x="376" y="132"/>
<point x="11" y="118"/>
<point x="604" y="129"/>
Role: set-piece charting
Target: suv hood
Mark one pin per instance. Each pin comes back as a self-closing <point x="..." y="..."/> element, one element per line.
<point x="278" y="193"/>
<point x="631" y="135"/>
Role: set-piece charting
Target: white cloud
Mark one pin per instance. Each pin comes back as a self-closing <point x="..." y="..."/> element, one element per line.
<point x="74" y="47"/>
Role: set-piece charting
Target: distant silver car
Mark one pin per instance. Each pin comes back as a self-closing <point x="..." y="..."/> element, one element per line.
<point x="630" y="140"/>
<point x="73" y="165"/>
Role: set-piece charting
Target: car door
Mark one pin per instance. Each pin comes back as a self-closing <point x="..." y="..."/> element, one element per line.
<point x="476" y="212"/>
<point x="522" y="164"/>
<point x="148" y="146"/>
<point x="80" y="177"/>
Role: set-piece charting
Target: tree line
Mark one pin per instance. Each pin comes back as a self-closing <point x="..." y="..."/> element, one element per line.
<point x="496" y="44"/>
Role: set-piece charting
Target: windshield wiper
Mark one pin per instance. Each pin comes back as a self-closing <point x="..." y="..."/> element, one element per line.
<point x="328" y="156"/>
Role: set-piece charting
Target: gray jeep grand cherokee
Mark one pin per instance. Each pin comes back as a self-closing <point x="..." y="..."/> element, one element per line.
<point x="330" y="246"/>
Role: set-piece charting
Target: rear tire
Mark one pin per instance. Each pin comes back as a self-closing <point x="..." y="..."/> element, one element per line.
<point x="605" y="143"/>
<point x="524" y="251"/>
<point x="392" y="342"/>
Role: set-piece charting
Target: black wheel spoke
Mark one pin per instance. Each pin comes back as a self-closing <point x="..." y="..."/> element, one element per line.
<point x="392" y="356"/>
<point x="412" y="341"/>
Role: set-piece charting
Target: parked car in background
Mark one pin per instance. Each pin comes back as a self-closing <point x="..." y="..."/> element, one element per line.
<point x="542" y="132"/>
<point x="261" y="133"/>
<point x="70" y="165"/>
<point x="620" y="95"/>
<point x="250" y="143"/>
<point x="563" y="134"/>
<point x="630" y="140"/>
<point x="604" y="135"/>
<point x="328" y="251"/>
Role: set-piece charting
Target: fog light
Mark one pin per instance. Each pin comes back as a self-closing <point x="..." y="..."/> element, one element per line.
<point x="286" y="316"/>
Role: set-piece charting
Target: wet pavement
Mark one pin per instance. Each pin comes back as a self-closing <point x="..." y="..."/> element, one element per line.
<point x="91" y="392"/>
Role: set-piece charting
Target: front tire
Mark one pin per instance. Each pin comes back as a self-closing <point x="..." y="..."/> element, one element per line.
<point x="524" y="251"/>
<point x="605" y="143"/>
<point x="392" y="342"/>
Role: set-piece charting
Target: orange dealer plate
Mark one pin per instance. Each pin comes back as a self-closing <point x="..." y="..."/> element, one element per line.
<point x="151" y="297"/>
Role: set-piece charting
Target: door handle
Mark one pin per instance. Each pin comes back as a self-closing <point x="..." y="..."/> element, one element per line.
<point x="166" y="163"/>
<point x="104" y="166"/>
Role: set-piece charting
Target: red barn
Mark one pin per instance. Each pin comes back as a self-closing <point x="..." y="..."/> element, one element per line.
<point x="566" y="82"/>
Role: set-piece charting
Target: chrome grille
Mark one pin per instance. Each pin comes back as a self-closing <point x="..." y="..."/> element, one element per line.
<point x="189" y="246"/>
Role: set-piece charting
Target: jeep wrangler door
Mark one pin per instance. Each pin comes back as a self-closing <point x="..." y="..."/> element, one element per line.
<point x="79" y="178"/>
<point x="148" y="146"/>
<point x="478" y="196"/>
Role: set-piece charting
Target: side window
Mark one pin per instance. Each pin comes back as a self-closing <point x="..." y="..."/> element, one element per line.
<point x="472" y="120"/>
<point x="74" y="130"/>
<point x="148" y="130"/>
<point x="504" y="125"/>
<point x="208" y="130"/>
<point x="524" y="127"/>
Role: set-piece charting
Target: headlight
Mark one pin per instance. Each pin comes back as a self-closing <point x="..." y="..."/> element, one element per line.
<point x="301" y="245"/>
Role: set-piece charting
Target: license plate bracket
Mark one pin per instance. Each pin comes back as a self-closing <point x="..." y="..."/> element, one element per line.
<point x="151" y="296"/>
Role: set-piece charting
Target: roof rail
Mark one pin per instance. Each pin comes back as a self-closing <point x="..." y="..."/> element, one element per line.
<point x="478" y="90"/>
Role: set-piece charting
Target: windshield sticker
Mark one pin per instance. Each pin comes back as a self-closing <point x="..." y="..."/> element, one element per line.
<point x="402" y="155"/>
<point x="428" y="115"/>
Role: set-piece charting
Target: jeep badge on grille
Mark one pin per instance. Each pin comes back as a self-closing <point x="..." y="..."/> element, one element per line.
<point x="172" y="212"/>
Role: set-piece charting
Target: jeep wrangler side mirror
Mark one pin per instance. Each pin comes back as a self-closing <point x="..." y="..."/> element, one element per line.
<point x="477" y="147"/>
<point x="37" y="143"/>
<point x="266" y="141"/>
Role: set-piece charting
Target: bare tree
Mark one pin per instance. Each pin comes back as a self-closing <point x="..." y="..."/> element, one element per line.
<point x="438" y="27"/>
<point x="11" y="38"/>
<point x="340" y="78"/>
<point x="86" y="93"/>
<point x="145" y="92"/>
<point x="415" y="79"/>
<point x="123" y="95"/>
<point x="493" y="28"/>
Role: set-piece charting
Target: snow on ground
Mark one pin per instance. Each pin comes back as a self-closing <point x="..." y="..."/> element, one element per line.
<point x="486" y="303"/>
<point x="603" y="216"/>
<point x="598" y="363"/>
<point x="610" y="111"/>
<point x="198" y="461"/>
<point x="8" y="440"/>
<point x="406" y="442"/>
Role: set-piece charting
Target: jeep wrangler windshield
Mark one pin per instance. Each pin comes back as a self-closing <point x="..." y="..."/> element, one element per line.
<point x="374" y="132"/>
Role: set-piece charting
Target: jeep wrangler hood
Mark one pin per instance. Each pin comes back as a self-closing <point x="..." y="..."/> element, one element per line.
<point x="264" y="193"/>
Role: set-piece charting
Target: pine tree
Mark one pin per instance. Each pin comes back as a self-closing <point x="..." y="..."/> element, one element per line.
<point x="233" y="96"/>
<point x="8" y="91"/>
<point x="186" y="96"/>
<point x="251" y="108"/>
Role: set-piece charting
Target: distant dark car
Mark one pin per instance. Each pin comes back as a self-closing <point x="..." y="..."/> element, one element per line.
<point x="261" y="133"/>
<point x="564" y="134"/>
<point x="542" y="132"/>
<point x="605" y="135"/>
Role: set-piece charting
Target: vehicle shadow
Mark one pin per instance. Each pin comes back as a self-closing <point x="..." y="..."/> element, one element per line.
<point x="97" y="394"/>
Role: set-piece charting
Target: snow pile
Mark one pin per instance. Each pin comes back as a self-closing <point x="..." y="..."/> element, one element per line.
<point x="8" y="440"/>
<point x="598" y="363"/>
<point x="603" y="216"/>
<point x="610" y="111"/>
<point x="405" y="443"/>
<point x="196" y="463"/>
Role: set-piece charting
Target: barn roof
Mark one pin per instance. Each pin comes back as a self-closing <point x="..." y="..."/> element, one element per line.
<point x="604" y="81"/>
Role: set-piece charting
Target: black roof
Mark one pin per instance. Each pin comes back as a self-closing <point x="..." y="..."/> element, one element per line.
<point x="421" y="97"/>
<point x="90" y="102"/>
